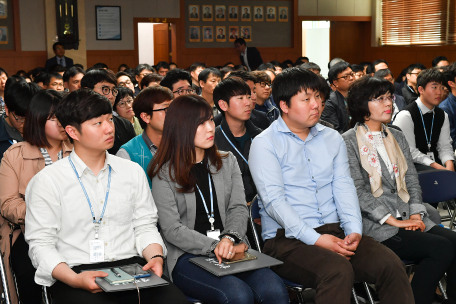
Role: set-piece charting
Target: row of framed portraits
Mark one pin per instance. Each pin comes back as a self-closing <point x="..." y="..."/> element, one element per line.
<point x="220" y="35"/>
<point x="220" y="12"/>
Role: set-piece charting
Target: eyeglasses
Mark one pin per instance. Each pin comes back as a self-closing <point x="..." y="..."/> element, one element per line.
<point x="19" y="119"/>
<point x="416" y="73"/>
<point x="264" y="84"/>
<point x="182" y="91"/>
<point x="122" y="104"/>
<point x="347" y="77"/>
<point x="358" y="74"/>
<point x="164" y="110"/>
<point x="56" y="84"/>
<point x="124" y="84"/>
<point x="382" y="99"/>
<point x="107" y="90"/>
<point x="144" y="74"/>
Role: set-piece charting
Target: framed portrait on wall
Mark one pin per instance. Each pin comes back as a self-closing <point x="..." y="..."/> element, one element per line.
<point x="233" y="13"/>
<point x="283" y="14"/>
<point x="220" y="13"/>
<point x="3" y="35"/>
<point x="208" y="33"/>
<point x="221" y="33"/>
<point x="270" y="13"/>
<point x="194" y="33"/>
<point x="3" y="9"/>
<point x="234" y="33"/>
<point x="246" y="33"/>
<point x="245" y="13"/>
<point x="193" y="12"/>
<point x="207" y="12"/>
<point x="258" y="13"/>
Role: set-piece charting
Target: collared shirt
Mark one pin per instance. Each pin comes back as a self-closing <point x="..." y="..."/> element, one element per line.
<point x="61" y="61"/>
<point x="303" y="184"/>
<point x="153" y="148"/>
<point x="59" y="222"/>
<point x="244" y="55"/>
<point x="404" y="121"/>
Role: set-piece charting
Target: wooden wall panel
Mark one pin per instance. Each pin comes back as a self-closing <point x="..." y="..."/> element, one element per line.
<point x="113" y="58"/>
<point x="347" y="41"/>
<point x="13" y="61"/>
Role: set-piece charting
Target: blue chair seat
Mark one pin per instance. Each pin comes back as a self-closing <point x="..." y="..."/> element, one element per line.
<point x="291" y="284"/>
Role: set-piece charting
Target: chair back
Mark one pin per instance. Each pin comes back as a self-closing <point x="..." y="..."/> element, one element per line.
<point x="254" y="214"/>
<point x="438" y="185"/>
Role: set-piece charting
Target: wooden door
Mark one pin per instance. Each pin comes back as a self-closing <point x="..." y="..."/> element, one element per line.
<point x="161" y="43"/>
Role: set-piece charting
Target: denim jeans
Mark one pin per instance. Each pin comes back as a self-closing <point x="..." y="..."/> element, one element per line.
<point x="262" y="285"/>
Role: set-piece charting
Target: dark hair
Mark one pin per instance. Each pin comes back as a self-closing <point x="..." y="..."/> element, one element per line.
<point x="18" y="95"/>
<point x="172" y="63"/>
<point x="162" y="64"/>
<point x="207" y="72"/>
<point x="122" y="73"/>
<point x="363" y="90"/>
<point x="42" y="107"/>
<point x="378" y="61"/>
<point x="41" y="77"/>
<point x="226" y="70"/>
<point x="71" y="72"/>
<point x="336" y="70"/>
<point x="357" y="68"/>
<point x="91" y="78"/>
<point x="81" y="105"/>
<point x="100" y="65"/>
<point x="370" y="69"/>
<point x="229" y="87"/>
<point x="144" y="102"/>
<point x="437" y="59"/>
<point x="417" y="66"/>
<point x="52" y="75"/>
<point x="123" y="65"/>
<point x="430" y="75"/>
<point x="246" y="76"/>
<point x="121" y="93"/>
<point x="365" y="63"/>
<point x="261" y="76"/>
<point x="383" y="73"/>
<point x="78" y="65"/>
<point x="241" y="41"/>
<point x="56" y="44"/>
<point x="240" y="67"/>
<point x="226" y="64"/>
<point x="266" y="67"/>
<point x="177" y="149"/>
<point x="402" y="74"/>
<point x="21" y="73"/>
<point x="325" y="90"/>
<point x="287" y="62"/>
<point x="292" y="81"/>
<point x="275" y="63"/>
<point x="2" y="70"/>
<point x="143" y="66"/>
<point x="310" y="66"/>
<point x="35" y="72"/>
<point x="58" y="69"/>
<point x="450" y="75"/>
<point x="174" y="76"/>
<point x="299" y="61"/>
<point x="196" y="65"/>
<point x="150" y="78"/>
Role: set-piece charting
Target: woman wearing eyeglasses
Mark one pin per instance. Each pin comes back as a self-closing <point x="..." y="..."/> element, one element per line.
<point x="389" y="191"/>
<point x="200" y="198"/>
<point x="45" y="142"/>
<point x="124" y="107"/>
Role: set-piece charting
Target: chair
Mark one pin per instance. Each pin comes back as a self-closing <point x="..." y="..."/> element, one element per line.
<point x="439" y="186"/>
<point x="46" y="296"/>
<point x="254" y="214"/>
<point x="5" y="298"/>
<point x="193" y="300"/>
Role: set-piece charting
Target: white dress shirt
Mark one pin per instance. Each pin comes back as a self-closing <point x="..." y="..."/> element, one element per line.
<point x="444" y="147"/>
<point x="245" y="59"/>
<point x="60" y="224"/>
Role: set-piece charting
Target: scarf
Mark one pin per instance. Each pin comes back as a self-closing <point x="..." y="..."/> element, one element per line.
<point x="370" y="162"/>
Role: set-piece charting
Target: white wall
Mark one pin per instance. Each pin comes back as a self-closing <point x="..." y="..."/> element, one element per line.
<point x="334" y="7"/>
<point x="146" y="42"/>
<point x="317" y="48"/>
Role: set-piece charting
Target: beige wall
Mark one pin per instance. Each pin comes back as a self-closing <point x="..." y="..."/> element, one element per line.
<point x="33" y="25"/>
<point x="334" y="8"/>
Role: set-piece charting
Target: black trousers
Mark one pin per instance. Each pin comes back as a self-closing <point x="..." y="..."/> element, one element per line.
<point x="63" y="293"/>
<point x="435" y="253"/>
<point x="29" y="291"/>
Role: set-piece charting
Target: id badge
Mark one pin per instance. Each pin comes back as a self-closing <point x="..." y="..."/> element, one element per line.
<point x="431" y="155"/>
<point x="96" y="251"/>
<point x="213" y="234"/>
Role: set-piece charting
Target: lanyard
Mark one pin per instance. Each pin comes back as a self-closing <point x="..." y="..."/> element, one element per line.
<point x="11" y="142"/>
<point x="211" y="216"/>
<point x="234" y="146"/>
<point x="96" y="223"/>
<point x="424" y="127"/>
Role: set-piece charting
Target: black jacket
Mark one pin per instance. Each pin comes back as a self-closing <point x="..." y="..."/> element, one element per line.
<point x="53" y="61"/>
<point x="5" y="138"/>
<point x="253" y="57"/>
<point x="223" y="145"/>
<point x="124" y="133"/>
<point x="408" y="95"/>
<point x="258" y="118"/>
<point x="336" y="112"/>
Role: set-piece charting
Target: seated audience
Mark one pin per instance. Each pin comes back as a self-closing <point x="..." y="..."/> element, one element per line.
<point x="122" y="67"/>
<point x="185" y="162"/>
<point x="309" y="209"/>
<point x="208" y="79"/>
<point x="365" y="64"/>
<point x="172" y="66"/>
<point x="124" y="107"/>
<point x="54" y="81"/>
<point x="99" y="66"/>
<point x="449" y="104"/>
<point x="45" y="142"/>
<point x="313" y="67"/>
<point x="380" y="64"/>
<point x="195" y="69"/>
<point x="125" y="80"/>
<point x="426" y="126"/>
<point x="358" y="71"/>
<point x="179" y="82"/>
<point x="140" y="71"/>
<point x="264" y="102"/>
<point x="162" y="68"/>
<point x="3" y="79"/>
<point x="225" y="71"/>
<point x="150" y="80"/>
<point x="398" y="100"/>
<point x="127" y="230"/>
<point x="288" y="63"/>
<point x="440" y="62"/>
<point x="40" y="80"/>
<point x="104" y="83"/>
<point x="17" y="98"/>
<point x="325" y="92"/>
<point x="150" y="109"/>
<point x="340" y="76"/>
<point x="300" y="61"/>
<point x="266" y="67"/>
<point x="334" y="61"/>
<point x="277" y="65"/>
<point x="409" y="90"/>
<point x="72" y="78"/>
<point x="389" y="191"/>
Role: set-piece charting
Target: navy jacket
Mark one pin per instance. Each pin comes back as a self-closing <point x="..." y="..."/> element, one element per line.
<point x="5" y="139"/>
<point x="53" y="61"/>
<point x="449" y="106"/>
<point x="336" y="112"/>
<point x="258" y="118"/>
<point x="253" y="57"/>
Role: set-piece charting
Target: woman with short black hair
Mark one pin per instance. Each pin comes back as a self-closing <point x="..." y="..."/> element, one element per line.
<point x="124" y="107"/>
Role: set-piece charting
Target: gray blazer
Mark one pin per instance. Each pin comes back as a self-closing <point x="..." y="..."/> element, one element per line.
<point x="177" y="211"/>
<point x="374" y="209"/>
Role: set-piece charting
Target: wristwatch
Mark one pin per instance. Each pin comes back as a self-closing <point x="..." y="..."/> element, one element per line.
<point x="228" y="237"/>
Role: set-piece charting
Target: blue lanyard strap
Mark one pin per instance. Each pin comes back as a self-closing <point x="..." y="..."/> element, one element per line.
<point x="211" y="215"/>
<point x="87" y="196"/>
<point x="234" y="146"/>
<point x="424" y="127"/>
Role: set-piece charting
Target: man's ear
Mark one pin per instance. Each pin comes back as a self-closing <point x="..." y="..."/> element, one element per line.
<point x="284" y="107"/>
<point x="223" y="105"/>
<point x="72" y="132"/>
<point x="201" y="84"/>
<point x="145" y="117"/>
<point x="452" y="84"/>
<point x="420" y="90"/>
<point x="65" y="85"/>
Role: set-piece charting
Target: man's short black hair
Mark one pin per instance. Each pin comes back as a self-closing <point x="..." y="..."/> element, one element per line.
<point x="143" y="66"/>
<point x="246" y="76"/>
<point x="206" y="73"/>
<point x="2" y="70"/>
<point x="226" y="64"/>
<point x="383" y="73"/>
<point x="226" y="70"/>
<point x="370" y="69"/>
<point x="310" y="66"/>
<point x="365" y="63"/>
<point x="18" y="95"/>
<point x="58" y="68"/>
<point x="292" y="81"/>
<point x="100" y="65"/>
<point x="123" y="65"/>
<point x="378" y="61"/>
<point x="275" y="63"/>
<point x="357" y="68"/>
<point x="325" y="90"/>
<point x="414" y="66"/>
<point x="266" y="67"/>
<point x="82" y="105"/>
<point x="241" y="41"/>
<point x="430" y="75"/>
<point x="153" y="77"/>
<point x="51" y="75"/>
<point x="174" y="76"/>
<point x="363" y="90"/>
<point x="437" y="59"/>
<point x="56" y="44"/>
<point x="122" y="73"/>
<point x="162" y="64"/>
<point x="229" y="87"/>
<point x="196" y="65"/>
<point x="71" y="72"/>
<point x="450" y="75"/>
<point x="41" y="77"/>
<point x="336" y="70"/>
<point x="91" y="78"/>
<point x="299" y="60"/>
<point x="78" y="65"/>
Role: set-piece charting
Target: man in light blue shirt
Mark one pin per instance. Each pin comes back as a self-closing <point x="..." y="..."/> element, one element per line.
<point x="309" y="207"/>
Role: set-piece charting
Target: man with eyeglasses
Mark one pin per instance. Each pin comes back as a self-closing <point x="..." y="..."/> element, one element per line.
<point x="17" y="98"/>
<point x="336" y="113"/>
<point x="140" y="71"/>
<point x="72" y="78"/>
<point x="54" y="81"/>
<point x="179" y="82"/>
<point x="264" y="102"/>
<point x="124" y="80"/>
<point x="104" y="83"/>
<point x="410" y="90"/>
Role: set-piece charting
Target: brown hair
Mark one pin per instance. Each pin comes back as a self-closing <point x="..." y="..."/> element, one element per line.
<point x="261" y="76"/>
<point x="153" y="77"/>
<point x="144" y="102"/>
<point x="177" y="147"/>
